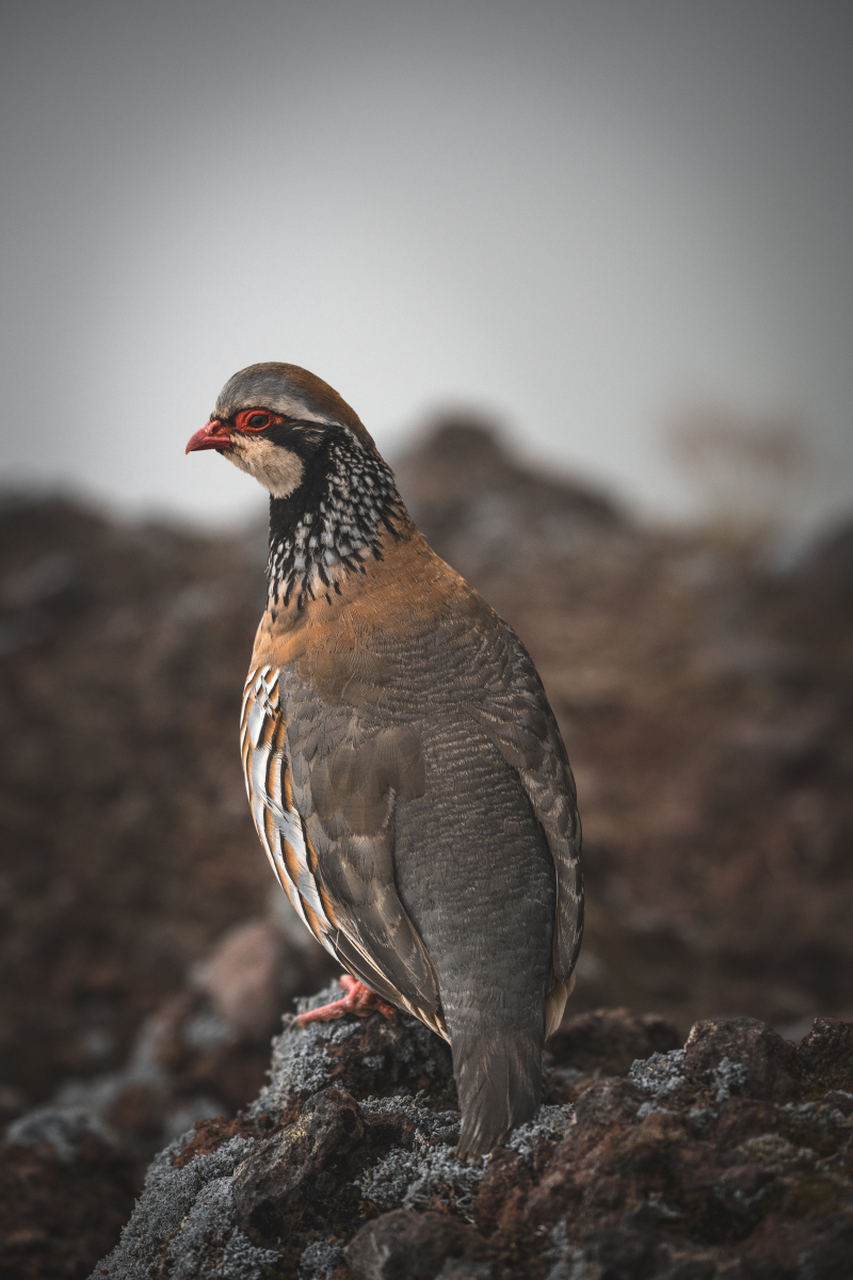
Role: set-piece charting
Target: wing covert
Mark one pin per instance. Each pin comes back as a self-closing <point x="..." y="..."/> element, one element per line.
<point x="515" y="712"/>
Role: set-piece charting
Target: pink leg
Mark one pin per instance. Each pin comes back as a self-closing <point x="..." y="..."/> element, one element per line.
<point x="359" y="1000"/>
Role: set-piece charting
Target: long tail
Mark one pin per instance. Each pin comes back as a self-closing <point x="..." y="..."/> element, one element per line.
<point x="499" y="1079"/>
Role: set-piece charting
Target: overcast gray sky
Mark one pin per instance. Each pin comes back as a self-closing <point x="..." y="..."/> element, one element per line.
<point x="578" y="215"/>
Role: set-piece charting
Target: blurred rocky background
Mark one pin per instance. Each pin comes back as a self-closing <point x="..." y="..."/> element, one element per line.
<point x="702" y="680"/>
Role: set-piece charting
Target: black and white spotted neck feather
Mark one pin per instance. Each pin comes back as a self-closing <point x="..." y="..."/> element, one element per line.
<point x="332" y="523"/>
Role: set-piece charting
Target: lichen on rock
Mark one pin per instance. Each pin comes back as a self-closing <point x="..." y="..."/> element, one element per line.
<point x="728" y="1159"/>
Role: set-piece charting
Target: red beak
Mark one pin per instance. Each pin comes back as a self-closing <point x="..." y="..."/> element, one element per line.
<point x="206" y="438"/>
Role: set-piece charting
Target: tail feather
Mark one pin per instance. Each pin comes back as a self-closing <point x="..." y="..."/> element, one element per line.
<point x="499" y="1079"/>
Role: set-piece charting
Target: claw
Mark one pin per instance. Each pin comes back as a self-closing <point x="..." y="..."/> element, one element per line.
<point x="359" y="1000"/>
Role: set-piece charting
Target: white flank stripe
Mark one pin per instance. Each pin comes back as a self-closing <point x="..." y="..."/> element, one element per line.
<point x="262" y="763"/>
<point x="257" y="719"/>
<point x="284" y="875"/>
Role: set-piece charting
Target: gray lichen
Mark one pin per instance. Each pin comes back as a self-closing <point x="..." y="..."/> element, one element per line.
<point x="299" y="1065"/>
<point x="410" y="1179"/>
<point x="551" y="1123"/>
<point x="660" y="1075"/>
<point x="185" y="1217"/>
<point x="729" y="1077"/>
<point x="320" y="1260"/>
<point x="60" y="1127"/>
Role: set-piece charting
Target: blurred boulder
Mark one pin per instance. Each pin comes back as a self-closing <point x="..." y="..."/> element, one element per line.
<point x="826" y="574"/>
<point x="252" y="975"/>
<point x="479" y="504"/>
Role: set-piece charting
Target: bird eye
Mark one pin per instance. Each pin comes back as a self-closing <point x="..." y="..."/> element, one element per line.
<point x="253" y="420"/>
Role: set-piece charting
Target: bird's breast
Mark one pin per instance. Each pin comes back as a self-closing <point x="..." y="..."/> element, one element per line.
<point x="390" y="626"/>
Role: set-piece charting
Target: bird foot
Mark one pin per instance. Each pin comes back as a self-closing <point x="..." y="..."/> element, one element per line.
<point x="359" y="1000"/>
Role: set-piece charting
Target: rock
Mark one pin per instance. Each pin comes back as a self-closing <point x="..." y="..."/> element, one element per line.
<point x="59" y="1129"/>
<point x="364" y="1056"/>
<point x="706" y="705"/>
<point x="404" y="1245"/>
<point x="297" y="1172"/>
<point x="244" y="978"/>
<point x="188" y="1065"/>
<point x="123" y="649"/>
<point x="184" y="1220"/>
<point x="729" y="1158"/>
<point x="826" y="1055"/>
<point x="744" y="1057"/>
<point x="609" y="1040"/>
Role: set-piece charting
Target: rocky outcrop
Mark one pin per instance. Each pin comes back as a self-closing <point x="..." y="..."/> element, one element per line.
<point x="477" y="502"/>
<point x="731" y="1156"/>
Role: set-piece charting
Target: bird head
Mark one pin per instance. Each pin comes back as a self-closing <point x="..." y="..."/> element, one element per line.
<point x="271" y="420"/>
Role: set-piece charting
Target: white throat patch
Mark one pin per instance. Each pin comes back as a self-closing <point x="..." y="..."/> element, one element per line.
<point x="276" y="468"/>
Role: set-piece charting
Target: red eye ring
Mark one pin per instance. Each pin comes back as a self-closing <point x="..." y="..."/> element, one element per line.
<point x="255" y="420"/>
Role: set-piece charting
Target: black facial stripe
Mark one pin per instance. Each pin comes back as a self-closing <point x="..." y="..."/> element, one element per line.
<point x="301" y="438"/>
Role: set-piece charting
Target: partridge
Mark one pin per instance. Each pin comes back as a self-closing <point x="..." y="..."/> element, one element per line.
<point x="406" y="775"/>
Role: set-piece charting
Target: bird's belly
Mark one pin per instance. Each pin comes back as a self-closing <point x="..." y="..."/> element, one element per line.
<point x="475" y="875"/>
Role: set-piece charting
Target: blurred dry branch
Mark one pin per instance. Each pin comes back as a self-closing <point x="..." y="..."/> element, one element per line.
<point x="748" y="472"/>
